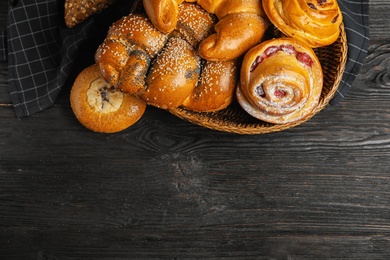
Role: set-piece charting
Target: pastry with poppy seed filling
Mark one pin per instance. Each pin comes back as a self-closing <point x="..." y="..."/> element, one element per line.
<point x="101" y="107"/>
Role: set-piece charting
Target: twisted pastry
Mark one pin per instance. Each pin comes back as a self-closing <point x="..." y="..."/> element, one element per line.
<point x="215" y="89"/>
<point x="281" y="81"/>
<point x="125" y="54"/>
<point x="166" y="71"/>
<point x="173" y="75"/>
<point x="242" y="24"/>
<point x="316" y="22"/>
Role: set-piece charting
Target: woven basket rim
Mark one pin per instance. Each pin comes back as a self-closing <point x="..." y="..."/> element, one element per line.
<point x="208" y="120"/>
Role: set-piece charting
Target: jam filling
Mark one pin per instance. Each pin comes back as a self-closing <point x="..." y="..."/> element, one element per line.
<point x="301" y="56"/>
<point x="279" y="93"/>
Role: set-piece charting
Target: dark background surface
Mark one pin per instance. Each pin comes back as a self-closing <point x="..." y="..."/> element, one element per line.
<point x="166" y="188"/>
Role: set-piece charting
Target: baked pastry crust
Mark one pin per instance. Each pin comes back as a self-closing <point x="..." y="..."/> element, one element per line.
<point x="281" y="81"/>
<point x="241" y="25"/>
<point x="100" y="107"/>
<point x="215" y="89"/>
<point x="77" y="11"/>
<point x="166" y="70"/>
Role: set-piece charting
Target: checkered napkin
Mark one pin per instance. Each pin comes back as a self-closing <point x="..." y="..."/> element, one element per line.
<point x="41" y="51"/>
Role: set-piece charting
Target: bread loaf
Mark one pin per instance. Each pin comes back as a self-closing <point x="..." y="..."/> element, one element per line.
<point x="77" y="11"/>
<point x="165" y="70"/>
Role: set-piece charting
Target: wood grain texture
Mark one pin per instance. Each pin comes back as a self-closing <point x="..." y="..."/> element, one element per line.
<point x="166" y="188"/>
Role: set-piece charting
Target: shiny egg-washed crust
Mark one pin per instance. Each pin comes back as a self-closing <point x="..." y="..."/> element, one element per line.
<point x="215" y="90"/>
<point x="316" y="22"/>
<point x="100" y="107"/>
<point x="77" y="11"/>
<point x="241" y="25"/>
<point x="166" y="70"/>
<point x="281" y="81"/>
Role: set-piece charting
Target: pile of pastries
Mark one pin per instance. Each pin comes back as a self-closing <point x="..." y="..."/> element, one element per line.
<point x="203" y="54"/>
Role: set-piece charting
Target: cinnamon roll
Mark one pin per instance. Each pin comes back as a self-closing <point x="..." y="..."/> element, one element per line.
<point x="281" y="81"/>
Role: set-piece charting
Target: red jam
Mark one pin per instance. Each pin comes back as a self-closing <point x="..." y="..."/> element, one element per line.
<point x="304" y="58"/>
<point x="301" y="56"/>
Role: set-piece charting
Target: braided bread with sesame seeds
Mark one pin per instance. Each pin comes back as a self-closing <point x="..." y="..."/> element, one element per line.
<point x="241" y="25"/>
<point x="165" y="70"/>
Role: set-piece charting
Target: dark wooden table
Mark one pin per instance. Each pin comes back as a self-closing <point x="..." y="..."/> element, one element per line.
<point x="166" y="188"/>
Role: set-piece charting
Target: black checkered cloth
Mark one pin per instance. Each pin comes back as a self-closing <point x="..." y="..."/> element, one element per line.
<point x="41" y="50"/>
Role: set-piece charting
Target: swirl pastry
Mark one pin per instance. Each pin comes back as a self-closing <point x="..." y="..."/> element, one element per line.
<point x="281" y="81"/>
<point x="316" y="22"/>
<point x="241" y="25"/>
<point x="100" y="107"/>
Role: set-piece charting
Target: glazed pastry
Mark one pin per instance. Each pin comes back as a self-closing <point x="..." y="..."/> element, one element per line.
<point x="215" y="89"/>
<point x="173" y="75"/>
<point x="100" y="107"/>
<point x="241" y="25"/>
<point x="280" y="81"/>
<point x="194" y="24"/>
<point x="77" y="11"/>
<point x="125" y="54"/>
<point x="165" y="70"/>
<point x="316" y="22"/>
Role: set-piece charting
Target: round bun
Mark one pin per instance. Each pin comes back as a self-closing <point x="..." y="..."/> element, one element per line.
<point x="314" y="22"/>
<point x="100" y="107"/>
<point x="280" y="81"/>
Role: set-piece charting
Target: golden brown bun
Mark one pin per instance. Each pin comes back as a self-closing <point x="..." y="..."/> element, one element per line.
<point x="163" y="70"/>
<point x="77" y="11"/>
<point x="215" y="89"/>
<point x="241" y="25"/>
<point x="194" y="23"/>
<point x="173" y="75"/>
<point x="100" y="107"/>
<point x="280" y="81"/>
<point x="131" y="43"/>
<point x="315" y="22"/>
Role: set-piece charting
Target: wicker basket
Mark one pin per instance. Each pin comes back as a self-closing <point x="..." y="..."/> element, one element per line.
<point x="234" y="119"/>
